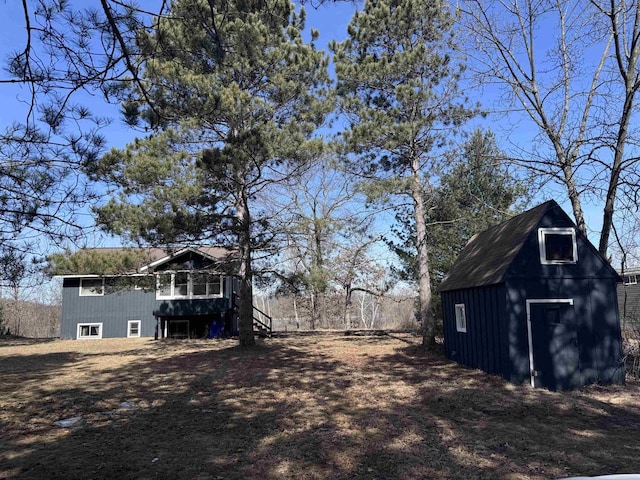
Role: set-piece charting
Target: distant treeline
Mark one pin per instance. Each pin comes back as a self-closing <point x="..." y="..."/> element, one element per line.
<point x="29" y="319"/>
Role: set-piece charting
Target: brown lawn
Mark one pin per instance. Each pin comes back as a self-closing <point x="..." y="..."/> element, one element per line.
<point x="323" y="407"/>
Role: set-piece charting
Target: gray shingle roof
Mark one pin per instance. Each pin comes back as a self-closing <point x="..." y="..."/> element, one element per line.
<point x="487" y="256"/>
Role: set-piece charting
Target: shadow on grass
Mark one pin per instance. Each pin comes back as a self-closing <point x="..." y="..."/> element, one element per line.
<point x="12" y="340"/>
<point x="317" y="409"/>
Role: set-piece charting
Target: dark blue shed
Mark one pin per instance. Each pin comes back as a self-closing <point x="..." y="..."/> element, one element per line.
<point x="531" y="299"/>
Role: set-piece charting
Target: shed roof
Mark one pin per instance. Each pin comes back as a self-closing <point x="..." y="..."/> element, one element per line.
<point x="488" y="254"/>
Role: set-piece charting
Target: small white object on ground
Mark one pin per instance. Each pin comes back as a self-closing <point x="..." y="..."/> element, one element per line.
<point x="68" y="422"/>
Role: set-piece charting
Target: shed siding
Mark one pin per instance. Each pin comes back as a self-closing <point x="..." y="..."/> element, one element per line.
<point x="497" y="339"/>
<point x="527" y="263"/>
<point x="480" y="346"/>
<point x="607" y="335"/>
<point x="598" y="331"/>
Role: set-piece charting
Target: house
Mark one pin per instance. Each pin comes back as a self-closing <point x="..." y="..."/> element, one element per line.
<point x="532" y="300"/>
<point x="190" y="293"/>
<point x="629" y="301"/>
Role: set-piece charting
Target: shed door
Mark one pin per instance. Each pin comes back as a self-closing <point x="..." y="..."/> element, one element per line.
<point x="555" y="346"/>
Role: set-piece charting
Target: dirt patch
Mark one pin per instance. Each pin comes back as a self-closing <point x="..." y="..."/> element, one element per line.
<point x="328" y="407"/>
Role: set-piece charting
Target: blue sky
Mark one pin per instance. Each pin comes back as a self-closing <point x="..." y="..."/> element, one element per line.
<point x="331" y="20"/>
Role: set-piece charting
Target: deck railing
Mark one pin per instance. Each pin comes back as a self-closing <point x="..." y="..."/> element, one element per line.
<point x="262" y="323"/>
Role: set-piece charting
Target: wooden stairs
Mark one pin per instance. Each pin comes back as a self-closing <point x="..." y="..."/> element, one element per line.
<point x="262" y="323"/>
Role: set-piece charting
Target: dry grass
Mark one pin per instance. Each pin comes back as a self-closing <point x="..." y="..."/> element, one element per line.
<point x="326" y="407"/>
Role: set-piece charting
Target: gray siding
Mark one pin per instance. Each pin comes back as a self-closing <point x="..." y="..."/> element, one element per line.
<point x="629" y="304"/>
<point x="113" y="310"/>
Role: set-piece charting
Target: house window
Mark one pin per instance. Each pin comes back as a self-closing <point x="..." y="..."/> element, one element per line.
<point x="133" y="328"/>
<point x="188" y="285"/>
<point x="89" y="331"/>
<point x="557" y="246"/>
<point x="461" y="318"/>
<point x="91" y="287"/>
<point x="164" y="287"/>
<point x="180" y="284"/>
<point x="206" y="285"/>
<point x="630" y="279"/>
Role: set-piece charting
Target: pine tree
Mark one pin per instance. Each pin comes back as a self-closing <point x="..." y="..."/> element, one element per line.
<point x="398" y="87"/>
<point x="234" y="96"/>
<point x="477" y="191"/>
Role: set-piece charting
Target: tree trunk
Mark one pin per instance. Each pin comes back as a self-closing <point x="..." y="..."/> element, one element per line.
<point x="312" y="299"/>
<point x="295" y="311"/>
<point x="574" y="197"/>
<point x="424" y="279"/>
<point x="630" y="78"/>
<point x="17" y="313"/>
<point x="318" y="290"/>
<point x="321" y="305"/>
<point x="347" y="304"/>
<point x="245" y="273"/>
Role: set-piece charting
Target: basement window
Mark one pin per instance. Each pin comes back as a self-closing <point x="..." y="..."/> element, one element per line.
<point x="87" y="331"/>
<point x="557" y="246"/>
<point x="91" y="287"/>
<point x="133" y="329"/>
<point x="461" y="318"/>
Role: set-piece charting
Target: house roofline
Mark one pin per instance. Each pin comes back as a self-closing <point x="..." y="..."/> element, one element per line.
<point x="101" y="276"/>
<point x="629" y="271"/>
<point x="165" y="259"/>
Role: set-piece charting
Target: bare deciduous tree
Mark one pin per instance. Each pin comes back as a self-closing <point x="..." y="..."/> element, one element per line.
<point x="572" y="69"/>
<point x="320" y="215"/>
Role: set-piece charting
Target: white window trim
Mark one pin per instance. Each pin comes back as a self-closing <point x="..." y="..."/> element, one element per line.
<point x="90" y="337"/>
<point x="459" y="307"/>
<point x="189" y="295"/>
<point x="129" y="322"/>
<point x="206" y="295"/>
<point x="635" y="279"/>
<point x="557" y="231"/>
<point x="159" y="295"/>
<point x="90" y="294"/>
<point x="173" y="287"/>
<point x="528" y="303"/>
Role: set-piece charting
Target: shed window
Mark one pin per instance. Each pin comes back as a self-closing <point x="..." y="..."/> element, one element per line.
<point x="133" y="328"/>
<point x="461" y="318"/>
<point x="89" y="331"/>
<point x="557" y="246"/>
<point x="630" y="279"/>
<point x="91" y="287"/>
